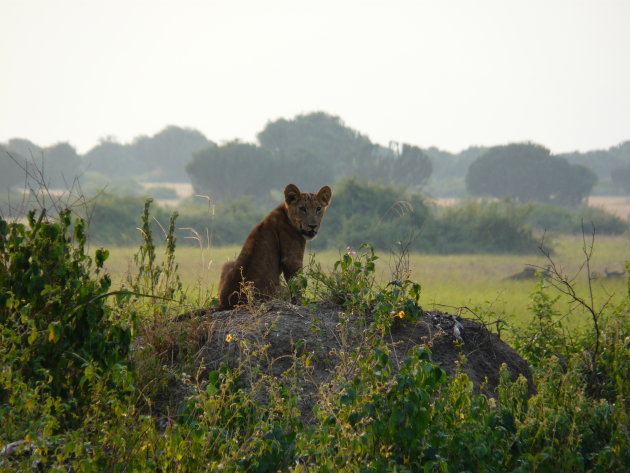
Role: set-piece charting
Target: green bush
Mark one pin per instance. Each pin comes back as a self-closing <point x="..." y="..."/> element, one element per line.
<point x="485" y="227"/>
<point x="384" y="216"/>
<point x="226" y="224"/>
<point x="55" y="326"/>
<point x="352" y="284"/>
<point x="564" y="220"/>
<point x="415" y="420"/>
<point x="114" y="219"/>
<point x="363" y="212"/>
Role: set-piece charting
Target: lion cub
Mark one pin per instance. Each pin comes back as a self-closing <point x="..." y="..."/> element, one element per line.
<point x="276" y="245"/>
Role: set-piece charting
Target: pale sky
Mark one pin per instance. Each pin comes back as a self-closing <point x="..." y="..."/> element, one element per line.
<point x="439" y="73"/>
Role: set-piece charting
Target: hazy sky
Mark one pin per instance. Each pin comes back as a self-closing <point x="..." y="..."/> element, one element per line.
<point x="432" y="73"/>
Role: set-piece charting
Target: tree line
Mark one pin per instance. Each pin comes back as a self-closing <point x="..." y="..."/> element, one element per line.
<point x="315" y="149"/>
<point x="310" y="151"/>
<point x="161" y="157"/>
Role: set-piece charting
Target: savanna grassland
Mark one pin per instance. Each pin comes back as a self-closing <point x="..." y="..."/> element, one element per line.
<point x="464" y="284"/>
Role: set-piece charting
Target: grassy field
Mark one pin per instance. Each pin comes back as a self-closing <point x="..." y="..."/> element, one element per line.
<point x="452" y="283"/>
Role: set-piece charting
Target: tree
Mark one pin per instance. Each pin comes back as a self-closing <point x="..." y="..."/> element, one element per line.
<point x="165" y="155"/>
<point x="19" y="164"/>
<point x="528" y="172"/>
<point x="399" y="165"/>
<point x="447" y="165"/>
<point x="234" y="170"/>
<point x="162" y="157"/>
<point x="321" y="144"/>
<point x="62" y="165"/>
<point x="25" y="148"/>
<point x="12" y="167"/>
<point x="621" y="178"/>
<point x="319" y="134"/>
<point x="23" y="162"/>
<point x="112" y="159"/>
<point x="411" y="168"/>
<point x="306" y="170"/>
<point x="575" y="183"/>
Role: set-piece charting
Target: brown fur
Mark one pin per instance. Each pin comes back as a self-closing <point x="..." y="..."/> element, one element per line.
<point x="274" y="246"/>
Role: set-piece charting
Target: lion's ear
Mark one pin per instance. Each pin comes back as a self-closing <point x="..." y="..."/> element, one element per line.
<point x="325" y="194"/>
<point x="291" y="193"/>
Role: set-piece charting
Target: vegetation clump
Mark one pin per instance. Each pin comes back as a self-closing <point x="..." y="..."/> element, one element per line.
<point x="59" y="336"/>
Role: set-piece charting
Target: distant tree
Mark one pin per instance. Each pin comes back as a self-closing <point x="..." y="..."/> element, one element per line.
<point x="449" y="170"/>
<point x="411" y="168"/>
<point x="308" y="171"/>
<point x="165" y="155"/>
<point x="600" y="161"/>
<point x="25" y="148"/>
<point x="20" y="160"/>
<point x="621" y="151"/>
<point x="603" y="161"/>
<point x="12" y="172"/>
<point x="528" y="172"/>
<point x="620" y="174"/>
<point x="400" y="165"/>
<point x="162" y="157"/>
<point x="321" y="145"/>
<point x="344" y="150"/>
<point x="56" y="166"/>
<point x="62" y="165"/>
<point x="112" y="159"/>
<point x="621" y="178"/>
<point x="234" y="170"/>
<point x="447" y="165"/>
<point x="574" y="181"/>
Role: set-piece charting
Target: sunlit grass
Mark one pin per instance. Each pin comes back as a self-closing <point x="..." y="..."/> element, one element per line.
<point x="453" y="283"/>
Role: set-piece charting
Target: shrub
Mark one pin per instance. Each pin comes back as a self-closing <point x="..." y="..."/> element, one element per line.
<point x="384" y="216"/>
<point x="363" y="212"/>
<point x="114" y="219"/>
<point x="56" y="328"/>
<point x="227" y="223"/>
<point x="563" y="220"/>
<point x="488" y="227"/>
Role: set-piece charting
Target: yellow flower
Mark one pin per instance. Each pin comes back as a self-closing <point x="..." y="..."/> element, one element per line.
<point x="401" y="314"/>
<point x="229" y="338"/>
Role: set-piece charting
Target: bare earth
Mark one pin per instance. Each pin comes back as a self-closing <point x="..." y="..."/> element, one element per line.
<point x="290" y="330"/>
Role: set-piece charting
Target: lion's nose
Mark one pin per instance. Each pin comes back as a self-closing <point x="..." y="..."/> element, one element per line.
<point x="313" y="227"/>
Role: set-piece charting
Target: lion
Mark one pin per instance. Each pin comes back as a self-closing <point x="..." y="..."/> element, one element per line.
<point x="274" y="246"/>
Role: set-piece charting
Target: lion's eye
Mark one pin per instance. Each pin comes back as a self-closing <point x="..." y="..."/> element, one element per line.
<point x="303" y="210"/>
<point x="319" y="209"/>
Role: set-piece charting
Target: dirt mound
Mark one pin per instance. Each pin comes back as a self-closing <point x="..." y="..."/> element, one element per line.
<point x="326" y="331"/>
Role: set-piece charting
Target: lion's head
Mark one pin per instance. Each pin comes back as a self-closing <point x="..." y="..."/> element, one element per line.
<point x="306" y="210"/>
